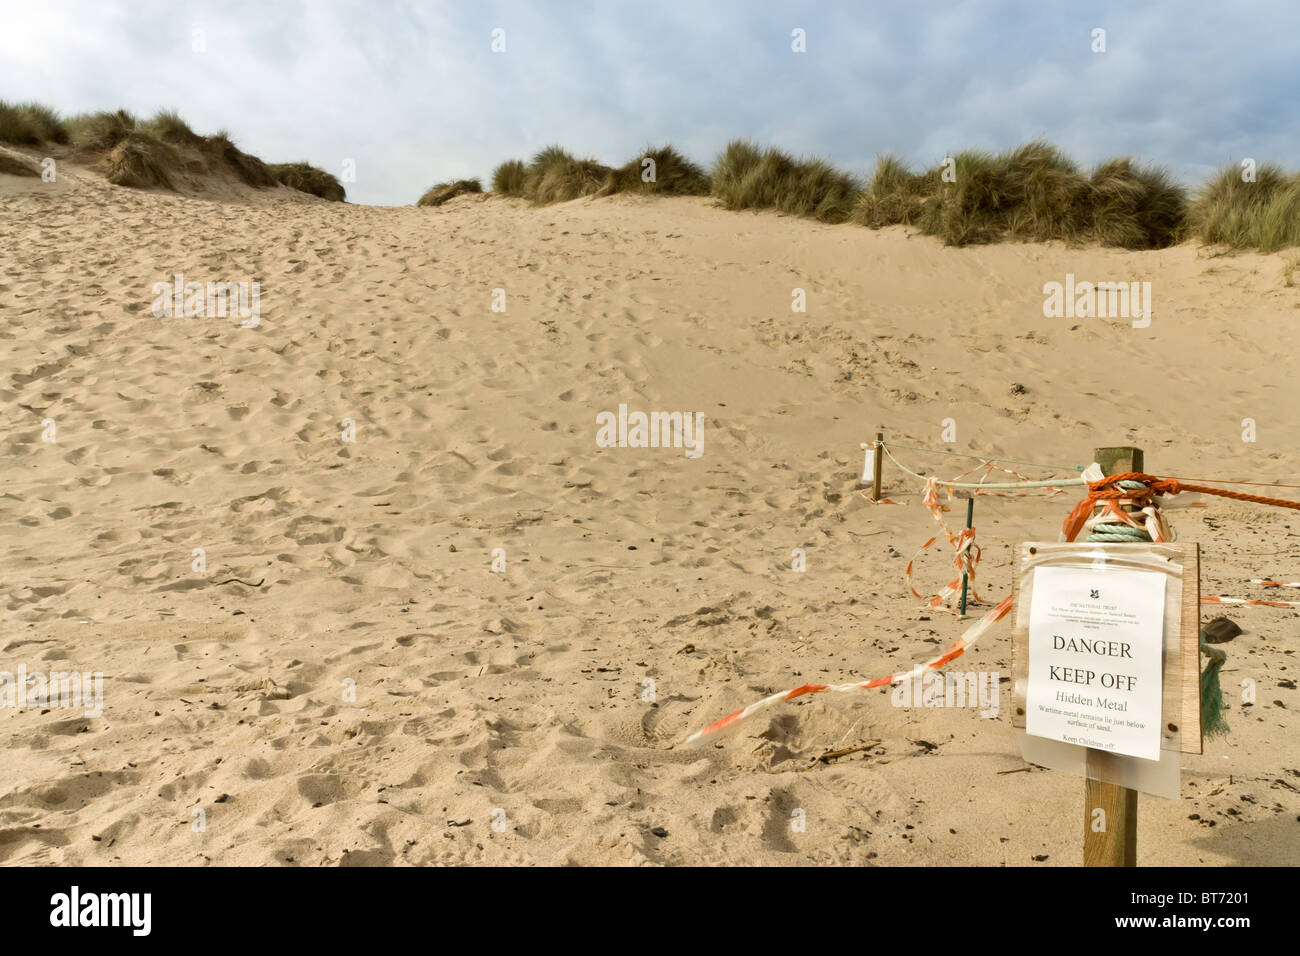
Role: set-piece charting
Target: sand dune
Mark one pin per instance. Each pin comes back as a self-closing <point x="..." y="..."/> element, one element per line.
<point x="517" y="697"/>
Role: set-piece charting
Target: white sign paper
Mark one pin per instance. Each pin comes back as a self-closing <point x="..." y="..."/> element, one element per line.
<point x="1095" y="652"/>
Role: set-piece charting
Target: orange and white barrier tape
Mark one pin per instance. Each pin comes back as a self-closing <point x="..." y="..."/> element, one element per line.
<point x="959" y="647"/>
<point x="1209" y="599"/>
<point x="1102" y="506"/>
<point x="1264" y="583"/>
<point x="966" y="553"/>
<point x="966" y="556"/>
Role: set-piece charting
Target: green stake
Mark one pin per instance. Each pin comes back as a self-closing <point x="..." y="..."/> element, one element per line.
<point x="970" y="514"/>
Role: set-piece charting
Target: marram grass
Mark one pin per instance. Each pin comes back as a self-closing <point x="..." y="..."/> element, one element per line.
<point x="1031" y="193"/>
<point x="555" y="176"/>
<point x="149" y="154"/>
<point x="660" y="171"/>
<point x="141" y="162"/>
<point x="30" y="124"/>
<point x="508" y="178"/>
<point x="746" y="177"/>
<point x="1262" y="214"/>
<point x="441" y="193"/>
<point x="306" y="178"/>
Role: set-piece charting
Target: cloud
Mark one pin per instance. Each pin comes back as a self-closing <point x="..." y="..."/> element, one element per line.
<point x="414" y="94"/>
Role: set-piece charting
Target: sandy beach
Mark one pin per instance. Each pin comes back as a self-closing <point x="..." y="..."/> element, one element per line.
<point x="383" y="437"/>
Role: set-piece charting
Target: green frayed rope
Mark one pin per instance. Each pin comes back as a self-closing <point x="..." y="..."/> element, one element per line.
<point x="1212" y="722"/>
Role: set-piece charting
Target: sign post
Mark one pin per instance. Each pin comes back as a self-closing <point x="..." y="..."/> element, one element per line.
<point x="1107" y="670"/>
<point x="1116" y="842"/>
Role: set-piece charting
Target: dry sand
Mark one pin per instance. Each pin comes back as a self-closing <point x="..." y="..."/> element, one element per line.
<point x="517" y="696"/>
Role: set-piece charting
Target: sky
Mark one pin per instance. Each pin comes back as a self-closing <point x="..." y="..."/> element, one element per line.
<point x="413" y="93"/>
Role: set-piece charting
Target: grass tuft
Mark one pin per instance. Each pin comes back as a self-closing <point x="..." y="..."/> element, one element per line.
<point x="1136" y="207"/>
<point x="30" y="124"/>
<point x="745" y="177"/>
<point x="894" y="195"/>
<point x="508" y="178"/>
<point x="168" y="126"/>
<point x="249" y="169"/>
<point x="555" y="176"/>
<point x="1263" y="215"/>
<point x="141" y="161"/>
<point x="736" y="160"/>
<point x="100" y="131"/>
<point x="673" y="175"/>
<point x="441" y="193"/>
<point x="308" y="179"/>
<point x="1033" y="192"/>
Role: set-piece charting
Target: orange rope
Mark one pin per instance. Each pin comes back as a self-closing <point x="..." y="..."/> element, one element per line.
<point x="1225" y="481"/>
<point x="1172" y="486"/>
<point x="1107" y="490"/>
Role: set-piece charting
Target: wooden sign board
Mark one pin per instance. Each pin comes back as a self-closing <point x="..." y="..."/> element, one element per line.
<point x="1092" y="670"/>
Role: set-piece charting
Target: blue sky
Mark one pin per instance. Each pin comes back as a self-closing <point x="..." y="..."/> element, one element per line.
<point x="413" y="92"/>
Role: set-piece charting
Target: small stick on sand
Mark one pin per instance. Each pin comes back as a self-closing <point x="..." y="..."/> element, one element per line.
<point x="830" y="755"/>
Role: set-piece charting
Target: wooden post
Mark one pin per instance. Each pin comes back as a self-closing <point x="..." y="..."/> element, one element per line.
<point x="875" y="478"/>
<point x="1117" y="844"/>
